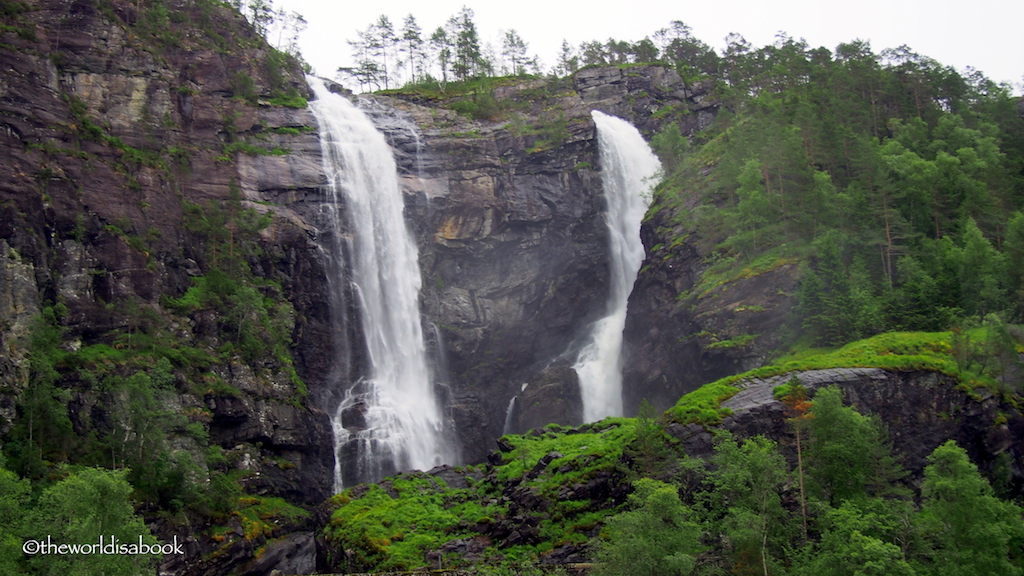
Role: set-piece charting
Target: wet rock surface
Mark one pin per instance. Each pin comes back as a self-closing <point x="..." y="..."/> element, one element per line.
<point x="552" y="397"/>
<point x="104" y="142"/>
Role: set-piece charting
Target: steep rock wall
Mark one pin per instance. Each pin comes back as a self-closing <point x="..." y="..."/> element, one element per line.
<point x="513" y="245"/>
<point x="107" y="133"/>
<point x="683" y="332"/>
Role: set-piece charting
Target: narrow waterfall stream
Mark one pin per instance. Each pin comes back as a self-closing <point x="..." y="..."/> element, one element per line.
<point x="628" y="169"/>
<point x="395" y="421"/>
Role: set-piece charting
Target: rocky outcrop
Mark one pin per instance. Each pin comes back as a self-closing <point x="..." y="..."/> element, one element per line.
<point x="19" y="307"/>
<point x="648" y="96"/>
<point x="552" y="397"/>
<point x="921" y="410"/>
<point x="685" y="329"/>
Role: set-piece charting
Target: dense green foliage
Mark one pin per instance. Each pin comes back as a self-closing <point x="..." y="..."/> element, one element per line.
<point x="656" y="537"/>
<point x="898" y="181"/>
<point x="392" y="525"/>
<point x="78" y="508"/>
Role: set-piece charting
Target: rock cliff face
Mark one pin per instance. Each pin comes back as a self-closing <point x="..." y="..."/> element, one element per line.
<point x="117" y="128"/>
<point x="108" y="131"/>
<point x="683" y="331"/>
<point x="117" y="135"/>
<point x="921" y="409"/>
<point x="513" y="245"/>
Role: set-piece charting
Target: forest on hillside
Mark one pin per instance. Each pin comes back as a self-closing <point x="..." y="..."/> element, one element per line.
<point x="898" y="180"/>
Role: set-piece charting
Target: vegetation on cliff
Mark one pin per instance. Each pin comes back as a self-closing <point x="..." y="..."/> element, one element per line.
<point x="842" y="503"/>
<point x="897" y="181"/>
<point x="981" y="358"/>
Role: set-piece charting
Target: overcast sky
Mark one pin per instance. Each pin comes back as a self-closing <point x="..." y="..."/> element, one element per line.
<point x="987" y="35"/>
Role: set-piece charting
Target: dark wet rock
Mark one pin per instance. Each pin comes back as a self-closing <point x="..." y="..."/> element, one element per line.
<point x="462" y="550"/>
<point x="551" y="397"/>
<point x="512" y="238"/>
<point x="293" y="554"/>
<point x="566" y="554"/>
<point x="543" y="463"/>
<point x="676" y="339"/>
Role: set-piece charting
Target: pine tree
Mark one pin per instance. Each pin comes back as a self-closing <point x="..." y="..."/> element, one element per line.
<point x="824" y="296"/>
<point x="412" y="46"/>
<point x="568" y="61"/>
<point x="513" y="49"/>
<point x="467" y="45"/>
<point x="981" y="273"/>
<point x="968" y="529"/>
<point x="1013" y="249"/>
<point x="441" y="42"/>
<point x="384" y="45"/>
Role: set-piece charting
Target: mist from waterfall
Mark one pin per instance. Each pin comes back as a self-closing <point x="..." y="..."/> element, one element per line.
<point x="399" y="424"/>
<point x="628" y="169"/>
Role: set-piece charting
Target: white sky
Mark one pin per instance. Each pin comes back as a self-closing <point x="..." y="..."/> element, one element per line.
<point x="987" y="34"/>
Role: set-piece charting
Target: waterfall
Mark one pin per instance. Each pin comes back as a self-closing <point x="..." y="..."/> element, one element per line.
<point x="402" y="134"/>
<point x="627" y="171"/>
<point x="510" y="411"/>
<point x="395" y="421"/>
<point x="507" y="428"/>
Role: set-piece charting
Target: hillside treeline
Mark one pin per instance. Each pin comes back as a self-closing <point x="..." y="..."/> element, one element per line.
<point x="898" y="180"/>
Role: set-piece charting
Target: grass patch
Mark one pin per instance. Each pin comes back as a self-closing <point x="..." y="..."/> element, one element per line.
<point x="703" y="405"/>
<point x="391" y="525"/>
<point x="266" y="515"/>
<point x="962" y="357"/>
<point x="388" y="533"/>
<point x="730" y="270"/>
<point x="737" y="342"/>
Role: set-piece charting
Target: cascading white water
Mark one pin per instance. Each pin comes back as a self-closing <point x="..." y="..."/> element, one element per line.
<point x="510" y="410"/>
<point x="628" y="169"/>
<point x="403" y="426"/>
<point x="507" y="428"/>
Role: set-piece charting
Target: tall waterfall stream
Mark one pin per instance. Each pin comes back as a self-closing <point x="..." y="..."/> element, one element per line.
<point x="628" y="169"/>
<point x="401" y="425"/>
